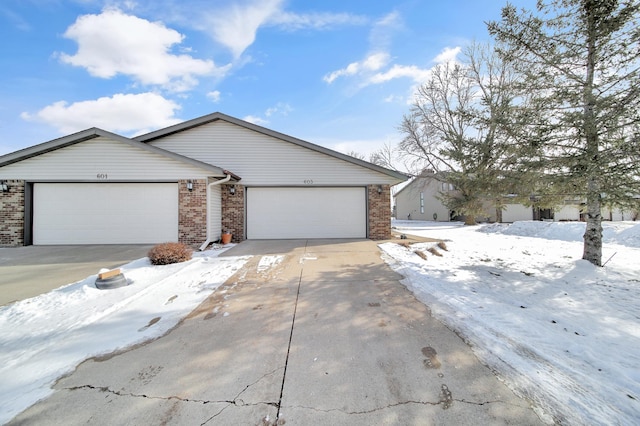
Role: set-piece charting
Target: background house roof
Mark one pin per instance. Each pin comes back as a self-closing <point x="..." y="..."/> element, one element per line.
<point x="422" y="177"/>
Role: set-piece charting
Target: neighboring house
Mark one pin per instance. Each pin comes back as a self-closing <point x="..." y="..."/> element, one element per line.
<point x="419" y="200"/>
<point x="187" y="183"/>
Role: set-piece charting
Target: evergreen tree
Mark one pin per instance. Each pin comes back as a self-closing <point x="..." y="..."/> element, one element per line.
<point x="580" y="59"/>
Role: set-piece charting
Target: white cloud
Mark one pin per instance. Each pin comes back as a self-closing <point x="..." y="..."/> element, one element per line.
<point x="350" y="69"/>
<point x="255" y="120"/>
<point x="214" y="96"/>
<point x="120" y="113"/>
<point x="316" y="21"/>
<point x="448" y="54"/>
<point x="378" y="61"/>
<point x="373" y="62"/>
<point x="364" y="147"/>
<point x="18" y="21"/>
<point x="280" y="108"/>
<point x="235" y="26"/>
<point x="113" y="43"/>
<point x="383" y="29"/>
<point x="413" y="72"/>
<point x="380" y="40"/>
<point x="394" y="99"/>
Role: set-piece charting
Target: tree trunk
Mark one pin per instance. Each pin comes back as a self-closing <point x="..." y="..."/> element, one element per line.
<point x="470" y="219"/>
<point x="593" y="233"/>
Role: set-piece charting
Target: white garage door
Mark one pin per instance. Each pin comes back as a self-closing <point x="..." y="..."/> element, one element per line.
<point x="105" y="213"/>
<point x="281" y="213"/>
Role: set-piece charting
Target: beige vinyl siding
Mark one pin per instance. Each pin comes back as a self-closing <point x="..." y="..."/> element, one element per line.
<point x="515" y="212"/>
<point x="264" y="160"/>
<point x="617" y="214"/>
<point x="112" y="160"/>
<point x="215" y="213"/>
<point x="566" y="213"/>
<point x="409" y="202"/>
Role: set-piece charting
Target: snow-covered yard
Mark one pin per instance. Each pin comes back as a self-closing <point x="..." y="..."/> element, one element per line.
<point x="557" y="329"/>
<point x="47" y="336"/>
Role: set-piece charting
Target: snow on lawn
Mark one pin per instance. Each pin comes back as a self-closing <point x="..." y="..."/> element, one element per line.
<point x="558" y="330"/>
<point x="47" y="336"/>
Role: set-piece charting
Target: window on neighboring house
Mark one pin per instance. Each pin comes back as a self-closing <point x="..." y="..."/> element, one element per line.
<point x="447" y="187"/>
<point x="422" y="202"/>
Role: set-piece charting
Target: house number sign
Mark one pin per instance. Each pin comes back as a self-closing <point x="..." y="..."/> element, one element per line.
<point x="308" y="181"/>
<point x="102" y="176"/>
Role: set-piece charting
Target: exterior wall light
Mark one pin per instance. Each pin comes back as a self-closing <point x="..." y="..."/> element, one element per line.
<point x="190" y="185"/>
<point x="379" y="189"/>
<point x="4" y="186"/>
<point x="232" y="189"/>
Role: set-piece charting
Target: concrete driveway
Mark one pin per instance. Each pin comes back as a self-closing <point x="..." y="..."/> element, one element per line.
<point x="325" y="335"/>
<point x="32" y="270"/>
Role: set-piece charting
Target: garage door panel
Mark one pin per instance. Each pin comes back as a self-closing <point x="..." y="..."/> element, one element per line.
<point x="105" y="213"/>
<point x="274" y="213"/>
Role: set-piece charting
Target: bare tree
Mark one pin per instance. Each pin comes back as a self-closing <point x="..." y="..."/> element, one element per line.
<point x="358" y="155"/>
<point x="457" y="127"/>
<point x="387" y="157"/>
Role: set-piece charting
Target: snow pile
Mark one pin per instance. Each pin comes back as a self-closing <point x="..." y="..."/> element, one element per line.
<point x="559" y="330"/>
<point x="268" y="262"/>
<point x="47" y="336"/>
<point x="626" y="233"/>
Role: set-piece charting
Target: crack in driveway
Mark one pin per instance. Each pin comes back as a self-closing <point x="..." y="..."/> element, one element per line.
<point x="397" y="404"/>
<point x="236" y="401"/>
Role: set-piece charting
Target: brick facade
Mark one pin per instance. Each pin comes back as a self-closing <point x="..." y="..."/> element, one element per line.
<point x="233" y="212"/>
<point x="379" y="212"/>
<point x="12" y="214"/>
<point x="192" y="212"/>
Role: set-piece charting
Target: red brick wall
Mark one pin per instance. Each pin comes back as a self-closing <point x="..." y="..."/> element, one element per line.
<point x="233" y="212"/>
<point x="192" y="212"/>
<point x="379" y="212"/>
<point x="12" y="214"/>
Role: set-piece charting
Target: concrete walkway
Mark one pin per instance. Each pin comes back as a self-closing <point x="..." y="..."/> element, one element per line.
<point x="327" y="336"/>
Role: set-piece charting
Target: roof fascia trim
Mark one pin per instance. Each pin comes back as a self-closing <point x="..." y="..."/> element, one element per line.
<point x="49" y="146"/>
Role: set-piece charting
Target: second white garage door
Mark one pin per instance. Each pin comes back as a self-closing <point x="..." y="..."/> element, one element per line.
<point x="105" y="213"/>
<point x="286" y="213"/>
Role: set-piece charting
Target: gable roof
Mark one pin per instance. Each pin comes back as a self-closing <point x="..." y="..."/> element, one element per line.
<point x="217" y="116"/>
<point x="93" y="133"/>
<point x="424" y="176"/>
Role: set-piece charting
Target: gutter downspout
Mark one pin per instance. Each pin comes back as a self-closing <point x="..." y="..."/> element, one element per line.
<point x="218" y="182"/>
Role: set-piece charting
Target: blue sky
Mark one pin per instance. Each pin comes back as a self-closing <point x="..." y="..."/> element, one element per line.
<point x="336" y="73"/>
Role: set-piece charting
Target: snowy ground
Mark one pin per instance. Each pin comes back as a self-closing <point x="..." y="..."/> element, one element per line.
<point x="557" y="329"/>
<point x="47" y="336"/>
